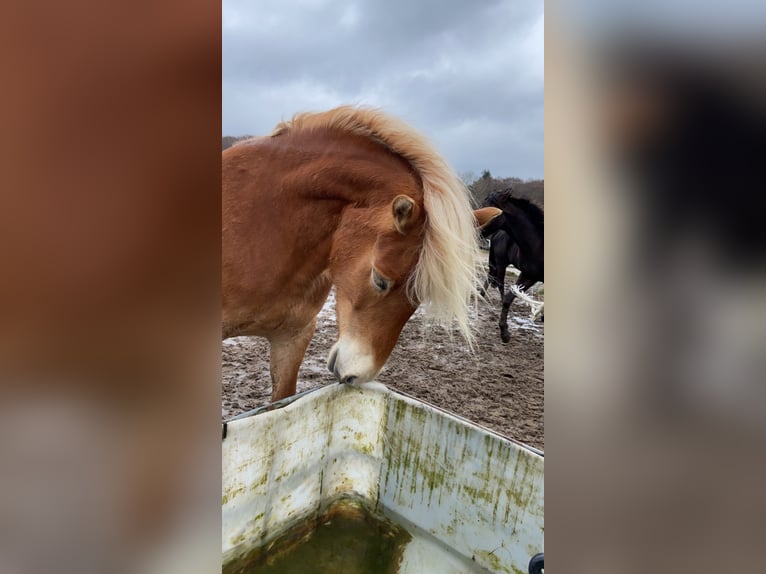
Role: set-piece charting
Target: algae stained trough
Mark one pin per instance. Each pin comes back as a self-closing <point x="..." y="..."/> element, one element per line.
<point x="470" y="490"/>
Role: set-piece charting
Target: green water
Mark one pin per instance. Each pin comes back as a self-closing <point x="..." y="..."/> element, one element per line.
<point x="346" y="539"/>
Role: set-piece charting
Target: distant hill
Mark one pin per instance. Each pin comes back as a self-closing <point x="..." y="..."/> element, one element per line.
<point x="228" y="141"/>
<point x="531" y="189"/>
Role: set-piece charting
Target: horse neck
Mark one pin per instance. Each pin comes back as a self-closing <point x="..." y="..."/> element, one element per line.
<point x="358" y="174"/>
<point x="522" y="230"/>
<point x="359" y="170"/>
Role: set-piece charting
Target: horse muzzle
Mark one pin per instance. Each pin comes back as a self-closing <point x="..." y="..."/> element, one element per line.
<point x="332" y="367"/>
<point x="350" y="364"/>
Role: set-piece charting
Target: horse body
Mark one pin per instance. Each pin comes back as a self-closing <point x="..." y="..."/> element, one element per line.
<point x="337" y="198"/>
<point x="517" y="238"/>
<point x="256" y="255"/>
<point x="503" y="252"/>
<point x="289" y="267"/>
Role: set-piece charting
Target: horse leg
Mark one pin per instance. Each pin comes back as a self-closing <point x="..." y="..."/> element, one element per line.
<point x="287" y="352"/>
<point x="500" y="280"/>
<point x="507" y="300"/>
<point x="501" y="265"/>
<point x="490" y="281"/>
<point x="483" y="289"/>
<point x="523" y="283"/>
<point x="490" y="273"/>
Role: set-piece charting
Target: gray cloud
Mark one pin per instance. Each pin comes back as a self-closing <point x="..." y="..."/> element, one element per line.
<point x="468" y="74"/>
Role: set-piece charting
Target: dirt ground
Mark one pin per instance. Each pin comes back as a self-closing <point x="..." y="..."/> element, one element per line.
<point x="499" y="386"/>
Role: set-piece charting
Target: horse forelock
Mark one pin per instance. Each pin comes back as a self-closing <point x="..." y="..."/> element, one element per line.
<point x="445" y="278"/>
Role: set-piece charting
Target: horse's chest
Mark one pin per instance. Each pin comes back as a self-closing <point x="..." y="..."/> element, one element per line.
<point x="295" y="305"/>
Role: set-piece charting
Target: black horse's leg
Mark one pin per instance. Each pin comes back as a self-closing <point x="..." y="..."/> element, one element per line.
<point x="523" y="283"/>
<point x="500" y="279"/>
<point x="487" y="281"/>
<point x="507" y="300"/>
<point x="483" y="288"/>
<point x="492" y="271"/>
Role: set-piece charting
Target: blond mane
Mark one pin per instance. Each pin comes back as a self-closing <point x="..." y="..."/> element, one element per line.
<point x="446" y="277"/>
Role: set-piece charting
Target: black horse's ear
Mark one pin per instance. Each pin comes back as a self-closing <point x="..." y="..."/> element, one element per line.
<point x="405" y="211"/>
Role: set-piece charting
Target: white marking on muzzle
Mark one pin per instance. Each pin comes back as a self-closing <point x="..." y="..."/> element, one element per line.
<point x="351" y="362"/>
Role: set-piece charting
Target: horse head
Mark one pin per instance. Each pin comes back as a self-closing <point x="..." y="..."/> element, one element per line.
<point x="376" y="250"/>
<point x="373" y="273"/>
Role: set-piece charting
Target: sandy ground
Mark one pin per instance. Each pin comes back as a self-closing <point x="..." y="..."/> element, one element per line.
<point x="499" y="386"/>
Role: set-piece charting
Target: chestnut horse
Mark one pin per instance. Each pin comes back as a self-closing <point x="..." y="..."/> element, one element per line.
<point x="352" y="198"/>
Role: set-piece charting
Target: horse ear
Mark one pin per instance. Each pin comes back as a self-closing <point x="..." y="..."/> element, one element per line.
<point x="405" y="211"/>
<point x="484" y="215"/>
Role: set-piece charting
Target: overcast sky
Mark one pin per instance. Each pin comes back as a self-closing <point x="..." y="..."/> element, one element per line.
<point x="466" y="73"/>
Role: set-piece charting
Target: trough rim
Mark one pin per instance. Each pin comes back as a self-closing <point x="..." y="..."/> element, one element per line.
<point x="289" y="400"/>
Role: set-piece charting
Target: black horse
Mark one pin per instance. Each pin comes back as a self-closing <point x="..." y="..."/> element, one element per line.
<point x="516" y="238"/>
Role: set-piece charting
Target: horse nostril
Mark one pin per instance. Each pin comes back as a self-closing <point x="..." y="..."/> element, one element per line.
<point x="331" y="361"/>
<point x="349" y="380"/>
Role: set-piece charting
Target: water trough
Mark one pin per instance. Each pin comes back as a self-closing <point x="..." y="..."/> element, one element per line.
<point x="470" y="499"/>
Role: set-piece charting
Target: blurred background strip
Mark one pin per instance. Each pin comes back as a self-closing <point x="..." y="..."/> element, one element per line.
<point x="656" y="292"/>
<point x="110" y="273"/>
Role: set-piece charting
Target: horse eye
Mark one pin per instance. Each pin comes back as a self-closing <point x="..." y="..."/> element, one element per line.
<point x="380" y="282"/>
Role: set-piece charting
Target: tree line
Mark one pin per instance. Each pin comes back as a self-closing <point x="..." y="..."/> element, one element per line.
<point x="480" y="187"/>
<point x="228" y="141"/>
